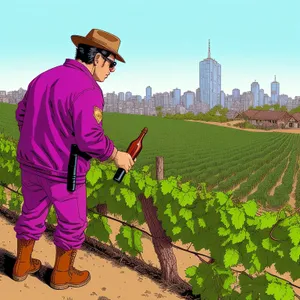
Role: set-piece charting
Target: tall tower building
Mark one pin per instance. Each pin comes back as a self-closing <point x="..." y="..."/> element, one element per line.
<point x="255" y="92"/>
<point x="198" y="98"/>
<point x="275" y="91"/>
<point x="210" y="80"/>
<point x="222" y="97"/>
<point x="261" y="97"/>
<point x="176" y="96"/>
<point x="148" y="93"/>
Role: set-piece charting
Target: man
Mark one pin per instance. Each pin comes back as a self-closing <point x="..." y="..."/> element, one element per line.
<point x="63" y="106"/>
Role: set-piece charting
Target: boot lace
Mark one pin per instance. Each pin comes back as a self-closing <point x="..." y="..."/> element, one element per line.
<point x="72" y="269"/>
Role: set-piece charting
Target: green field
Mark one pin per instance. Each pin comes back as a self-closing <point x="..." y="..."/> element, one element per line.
<point x="224" y="158"/>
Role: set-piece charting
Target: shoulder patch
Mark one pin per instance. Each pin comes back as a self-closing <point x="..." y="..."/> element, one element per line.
<point x="97" y="114"/>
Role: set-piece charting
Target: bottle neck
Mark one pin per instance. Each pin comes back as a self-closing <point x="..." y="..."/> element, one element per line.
<point x="143" y="133"/>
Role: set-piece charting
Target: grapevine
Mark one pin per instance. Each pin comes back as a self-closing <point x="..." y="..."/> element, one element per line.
<point x="233" y="232"/>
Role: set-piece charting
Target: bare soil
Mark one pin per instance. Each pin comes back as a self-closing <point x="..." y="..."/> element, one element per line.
<point x="114" y="275"/>
<point x="279" y="181"/>
<point x="292" y="198"/>
<point x="231" y="123"/>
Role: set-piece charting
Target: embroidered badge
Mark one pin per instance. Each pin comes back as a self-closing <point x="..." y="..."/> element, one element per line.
<point x="98" y="114"/>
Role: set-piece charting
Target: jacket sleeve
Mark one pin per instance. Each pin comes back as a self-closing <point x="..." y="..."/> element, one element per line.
<point x="21" y="110"/>
<point x="86" y="111"/>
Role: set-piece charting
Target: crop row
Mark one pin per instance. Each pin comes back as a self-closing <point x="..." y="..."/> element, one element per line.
<point x="214" y="157"/>
<point x="233" y="168"/>
<point x="213" y="165"/>
<point x="246" y="187"/>
<point x="251" y="167"/>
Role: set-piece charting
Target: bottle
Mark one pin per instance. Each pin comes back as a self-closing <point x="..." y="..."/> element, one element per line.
<point x="134" y="149"/>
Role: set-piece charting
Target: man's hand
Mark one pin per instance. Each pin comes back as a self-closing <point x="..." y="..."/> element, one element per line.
<point x="124" y="160"/>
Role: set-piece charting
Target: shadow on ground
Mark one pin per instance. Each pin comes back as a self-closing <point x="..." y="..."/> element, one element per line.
<point x="7" y="261"/>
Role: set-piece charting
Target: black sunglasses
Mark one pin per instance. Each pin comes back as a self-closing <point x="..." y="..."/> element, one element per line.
<point x="112" y="63"/>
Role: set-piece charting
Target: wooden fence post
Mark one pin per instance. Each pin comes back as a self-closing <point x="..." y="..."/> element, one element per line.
<point x="161" y="242"/>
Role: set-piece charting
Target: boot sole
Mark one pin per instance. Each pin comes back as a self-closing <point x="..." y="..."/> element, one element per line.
<point x="65" y="286"/>
<point x="22" y="278"/>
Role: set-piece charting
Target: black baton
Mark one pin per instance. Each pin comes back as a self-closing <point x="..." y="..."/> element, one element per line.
<point x="72" y="168"/>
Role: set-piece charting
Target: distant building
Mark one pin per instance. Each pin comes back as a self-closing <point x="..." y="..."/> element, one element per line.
<point x="280" y="118"/>
<point x="283" y="99"/>
<point x="255" y="92"/>
<point x="267" y="99"/>
<point x="236" y="94"/>
<point x="210" y="81"/>
<point x="121" y="96"/>
<point x="188" y="99"/>
<point x="198" y="96"/>
<point x="176" y="96"/>
<point x="128" y="95"/>
<point x="222" y="96"/>
<point x="261" y="97"/>
<point x="247" y="100"/>
<point x="275" y="91"/>
<point x="148" y="93"/>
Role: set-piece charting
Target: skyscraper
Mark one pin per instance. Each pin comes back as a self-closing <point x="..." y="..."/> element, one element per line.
<point x="188" y="99"/>
<point x="148" y="93"/>
<point x="275" y="91"/>
<point x="128" y="95"/>
<point x="176" y="96"/>
<point x="222" y="97"/>
<point x="236" y="94"/>
<point x="261" y="97"/>
<point x="121" y="96"/>
<point x="210" y="80"/>
<point x="255" y="92"/>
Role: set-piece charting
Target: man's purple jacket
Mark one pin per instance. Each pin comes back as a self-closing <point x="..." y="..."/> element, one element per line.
<point x="61" y="107"/>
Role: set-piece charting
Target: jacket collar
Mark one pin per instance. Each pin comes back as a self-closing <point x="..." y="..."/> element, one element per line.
<point x="77" y="65"/>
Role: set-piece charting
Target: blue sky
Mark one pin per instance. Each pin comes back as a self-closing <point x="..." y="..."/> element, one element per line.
<point x="161" y="41"/>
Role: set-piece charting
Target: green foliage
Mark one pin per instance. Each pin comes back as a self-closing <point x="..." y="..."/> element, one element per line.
<point x="232" y="231"/>
<point x="295" y="110"/>
<point x="216" y="114"/>
<point x="275" y="107"/>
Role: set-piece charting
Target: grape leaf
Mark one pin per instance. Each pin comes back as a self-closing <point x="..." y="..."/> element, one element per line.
<point x="176" y="230"/>
<point x="295" y="253"/>
<point x="93" y="175"/>
<point x="238" y="237"/>
<point x="295" y="234"/>
<point x="238" y="217"/>
<point x="201" y="222"/>
<point x="129" y="196"/>
<point x="222" y="198"/>
<point x="166" y="187"/>
<point x="231" y="257"/>
<point x="250" y="208"/>
<point x="191" y="271"/>
<point x="185" y="213"/>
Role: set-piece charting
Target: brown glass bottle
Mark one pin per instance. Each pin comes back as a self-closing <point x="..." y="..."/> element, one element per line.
<point x="134" y="149"/>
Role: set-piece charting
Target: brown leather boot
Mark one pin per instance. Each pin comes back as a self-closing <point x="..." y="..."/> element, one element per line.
<point x="64" y="275"/>
<point x="24" y="264"/>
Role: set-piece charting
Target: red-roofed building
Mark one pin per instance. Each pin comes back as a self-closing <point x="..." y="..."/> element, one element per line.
<point x="280" y="118"/>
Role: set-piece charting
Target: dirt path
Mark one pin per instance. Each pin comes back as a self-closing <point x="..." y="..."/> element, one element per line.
<point x="292" y="200"/>
<point x="231" y="123"/>
<point x="279" y="181"/>
<point x="109" y="280"/>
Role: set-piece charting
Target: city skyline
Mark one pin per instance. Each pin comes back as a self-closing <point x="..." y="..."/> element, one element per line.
<point x="164" y="57"/>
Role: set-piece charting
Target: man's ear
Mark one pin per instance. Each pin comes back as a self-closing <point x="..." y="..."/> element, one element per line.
<point x="96" y="61"/>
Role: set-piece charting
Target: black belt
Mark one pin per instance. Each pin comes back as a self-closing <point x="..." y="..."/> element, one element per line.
<point x="72" y="166"/>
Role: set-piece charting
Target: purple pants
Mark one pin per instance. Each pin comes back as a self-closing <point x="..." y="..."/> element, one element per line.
<point x="39" y="194"/>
